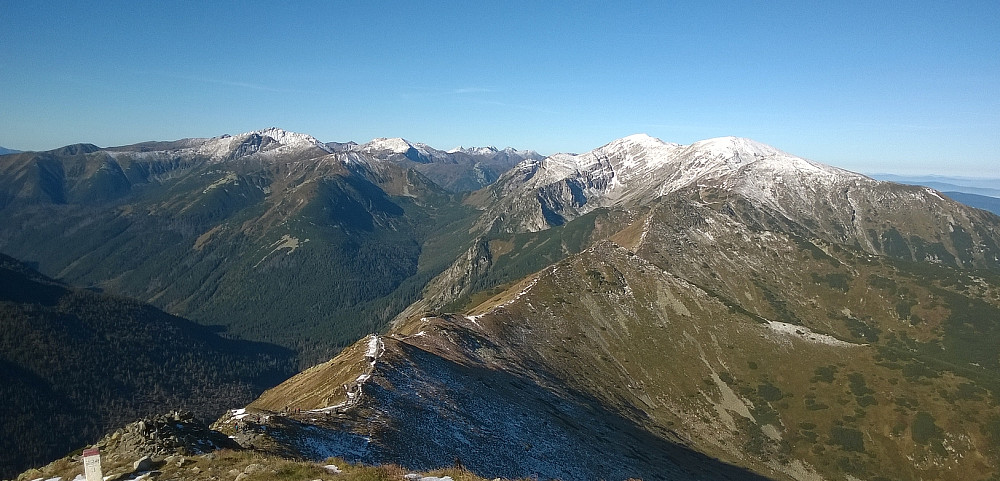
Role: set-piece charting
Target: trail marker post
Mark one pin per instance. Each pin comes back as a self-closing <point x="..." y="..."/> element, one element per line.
<point x="92" y="465"/>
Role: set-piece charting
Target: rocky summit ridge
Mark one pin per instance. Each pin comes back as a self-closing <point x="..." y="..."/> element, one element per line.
<point x="640" y="168"/>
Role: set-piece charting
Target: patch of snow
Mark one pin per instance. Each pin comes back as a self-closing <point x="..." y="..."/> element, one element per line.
<point x="487" y="151"/>
<point x="807" y="334"/>
<point x="374" y="344"/>
<point x="935" y="194"/>
<point x="398" y="145"/>
<point x="395" y="144"/>
<point x="221" y="147"/>
<point x="645" y="231"/>
<point x="285" y="137"/>
<point x="317" y="443"/>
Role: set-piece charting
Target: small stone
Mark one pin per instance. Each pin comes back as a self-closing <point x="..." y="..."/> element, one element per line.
<point x="143" y="464"/>
<point x="242" y="476"/>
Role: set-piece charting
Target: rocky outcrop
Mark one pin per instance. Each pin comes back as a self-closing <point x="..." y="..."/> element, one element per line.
<point x="160" y="436"/>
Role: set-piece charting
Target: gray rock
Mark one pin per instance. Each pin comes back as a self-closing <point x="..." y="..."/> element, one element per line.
<point x="143" y="464"/>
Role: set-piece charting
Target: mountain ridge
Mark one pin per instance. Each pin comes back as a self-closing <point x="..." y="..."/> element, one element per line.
<point x="723" y="301"/>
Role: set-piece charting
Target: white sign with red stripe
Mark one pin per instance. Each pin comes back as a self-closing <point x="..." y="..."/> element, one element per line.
<point x="92" y="465"/>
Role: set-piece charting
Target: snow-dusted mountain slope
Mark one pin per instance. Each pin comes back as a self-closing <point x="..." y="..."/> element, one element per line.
<point x="458" y="170"/>
<point x="637" y="170"/>
<point x="417" y="152"/>
<point x="271" y="142"/>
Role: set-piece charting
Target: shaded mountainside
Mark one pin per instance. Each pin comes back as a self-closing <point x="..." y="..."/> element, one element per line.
<point x="76" y="364"/>
<point x="267" y="233"/>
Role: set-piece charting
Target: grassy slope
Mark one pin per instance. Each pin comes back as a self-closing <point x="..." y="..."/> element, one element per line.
<point x="699" y="361"/>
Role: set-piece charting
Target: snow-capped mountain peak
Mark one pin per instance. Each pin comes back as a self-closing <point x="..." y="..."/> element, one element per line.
<point x="488" y="150"/>
<point x="392" y="144"/>
<point x="734" y="147"/>
<point x="233" y="146"/>
<point x="285" y="137"/>
<point x="640" y="168"/>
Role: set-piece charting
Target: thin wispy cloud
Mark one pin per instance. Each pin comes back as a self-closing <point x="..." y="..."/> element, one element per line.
<point x="426" y="92"/>
<point x="243" y="85"/>
<point x="529" y="108"/>
<point x="472" y="90"/>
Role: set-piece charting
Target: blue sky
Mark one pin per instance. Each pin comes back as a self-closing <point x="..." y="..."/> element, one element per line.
<point x="905" y="87"/>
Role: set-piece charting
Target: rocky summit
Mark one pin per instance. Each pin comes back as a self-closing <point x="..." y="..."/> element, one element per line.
<point x="719" y="310"/>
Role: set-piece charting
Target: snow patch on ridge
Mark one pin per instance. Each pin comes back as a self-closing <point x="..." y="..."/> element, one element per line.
<point x="804" y="333"/>
<point x="373" y="351"/>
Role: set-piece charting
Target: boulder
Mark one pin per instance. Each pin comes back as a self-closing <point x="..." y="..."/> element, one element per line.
<point x="144" y="463"/>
